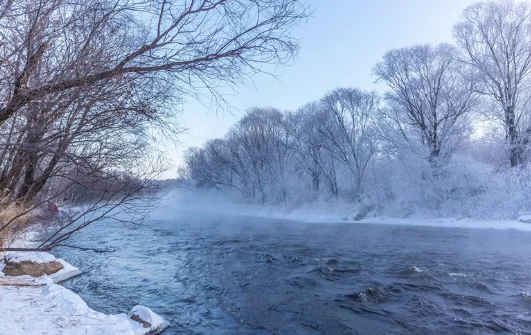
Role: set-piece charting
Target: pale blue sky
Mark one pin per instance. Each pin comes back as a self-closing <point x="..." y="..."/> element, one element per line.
<point x="340" y="44"/>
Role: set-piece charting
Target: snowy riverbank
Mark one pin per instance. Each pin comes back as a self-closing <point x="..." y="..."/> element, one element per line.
<point x="324" y="211"/>
<point x="34" y="306"/>
<point x="301" y="215"/>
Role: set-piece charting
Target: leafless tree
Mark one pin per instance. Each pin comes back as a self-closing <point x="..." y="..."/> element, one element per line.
<point x="83" y="84"/>
<point x="310" y="148"/>
<point x="192" y="43"/>
<point x="263" y="138"/>
<point x="429" y="102"/>
<point x="350" y="132"/>
<point x="495" y="38"/>
<point x="254" y="158"/>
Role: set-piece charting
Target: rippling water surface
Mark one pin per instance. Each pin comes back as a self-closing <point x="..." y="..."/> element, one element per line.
<point x="213" y="274"/>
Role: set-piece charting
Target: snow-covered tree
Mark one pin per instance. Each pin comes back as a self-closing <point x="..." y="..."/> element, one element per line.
<point x="348" y="129"/>
<point x="429" y="102"/>
<point x="263" y="137"/>
<point x="309" y="144"/>
<point x="495" y="39"/>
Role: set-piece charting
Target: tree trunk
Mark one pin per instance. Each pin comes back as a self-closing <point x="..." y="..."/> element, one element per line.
<point x="515" y="150"/>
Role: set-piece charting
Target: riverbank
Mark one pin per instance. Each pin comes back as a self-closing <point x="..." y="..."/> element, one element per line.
<point x="32" y="306"/>
<point x="326" y="211"/>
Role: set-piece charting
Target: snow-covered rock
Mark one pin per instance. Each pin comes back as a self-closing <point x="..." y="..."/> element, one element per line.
<point x="147" y="318"/>
<point x="68" y="271"/>
<point x="35" y="306"/>
<point x="525" y="218"/>
<point x="31" y="268"/>
<point x="39" y="261"/>
<point x="34" y="256"/>
<point x="53" y="309"/>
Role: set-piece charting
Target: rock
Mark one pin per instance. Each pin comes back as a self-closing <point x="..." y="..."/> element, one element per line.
<point x="359" y="217"/>
<point x="31" y="268"/>
<point x="525" y="218"/>
<point x="363" y="212"/>
<point x="269" y="258"/>
<point x="136" y="318"/>
<point x="147" y="318"/>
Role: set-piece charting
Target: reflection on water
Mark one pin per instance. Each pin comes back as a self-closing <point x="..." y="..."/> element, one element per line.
<point x="240" y="275"/>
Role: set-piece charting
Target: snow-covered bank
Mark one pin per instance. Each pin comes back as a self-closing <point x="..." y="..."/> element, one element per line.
<point x="324" y="211"/>
<point x="32" y="306"/>
<point x="68" y="270"/>
<point x="301" y="215"/>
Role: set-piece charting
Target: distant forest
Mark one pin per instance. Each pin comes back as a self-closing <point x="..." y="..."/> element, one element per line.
<point x="450" y="137"/>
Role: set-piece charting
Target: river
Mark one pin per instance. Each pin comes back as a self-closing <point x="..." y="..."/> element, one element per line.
<point x="219" y="274"/>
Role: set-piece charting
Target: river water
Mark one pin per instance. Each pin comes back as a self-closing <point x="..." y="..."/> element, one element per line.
<point x="215" y="274"/>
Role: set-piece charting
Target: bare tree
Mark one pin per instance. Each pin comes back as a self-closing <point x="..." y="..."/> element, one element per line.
<point x="123" y="197"/>
<point x="83" y="83"/>
<point x="263" y="137"/>
<point x="349" y="130"/>
<point x="254" y="158"/>
<point x="192" y="43"/>
<point x="219" y="164"/>
<point x="311" y="149"/>
<point x="495" y="38"/>
<point x="429" y="102"/>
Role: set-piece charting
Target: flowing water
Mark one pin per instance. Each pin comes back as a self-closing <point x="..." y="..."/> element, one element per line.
<point x="214" y="274"/>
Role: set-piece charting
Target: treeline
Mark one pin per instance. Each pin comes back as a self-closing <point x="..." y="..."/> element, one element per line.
<point x="451" y="135"/>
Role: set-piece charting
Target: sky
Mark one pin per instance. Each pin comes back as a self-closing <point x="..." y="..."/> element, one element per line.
<point x="339" y="45"/>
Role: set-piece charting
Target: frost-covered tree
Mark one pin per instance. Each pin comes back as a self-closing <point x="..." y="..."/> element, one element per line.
<point x="209" y="165"/>
<point x="254" y="158"/>
<point x="308" y="143"/>
<point x="349" y="131"/>
<point x="409" y="152"/>
<point x="429" y="101"/>
<point x="263" y="137"/>
<point x="495" y="38"/>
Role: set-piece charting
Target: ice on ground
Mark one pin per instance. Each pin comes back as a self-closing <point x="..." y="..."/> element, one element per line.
<point x="525" y="218"/>
<point x="35" y="306"/>
<point x="53" y="309"/>
<point x="147" y="315"/>
<point x="35" y="257"/>
<point x="68" y="270"/>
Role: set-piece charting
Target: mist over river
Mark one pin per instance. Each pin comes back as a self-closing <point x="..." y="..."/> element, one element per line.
<point x="220" y="274"/>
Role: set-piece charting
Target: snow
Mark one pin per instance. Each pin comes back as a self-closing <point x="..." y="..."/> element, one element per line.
<point x="28" y="237"/>
<point x="35" y="306"/>
<point x="410" y="221"/>
<point x="324" y="211"/>
<point x="36" y="257"/>
<point x="68" y="270"/>
<point x="525" y="218"/>
<point x="147" y="315"/>
<point x="53" y="309"/>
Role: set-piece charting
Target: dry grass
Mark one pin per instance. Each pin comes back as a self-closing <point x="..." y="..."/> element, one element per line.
<point x="8" y="211"/>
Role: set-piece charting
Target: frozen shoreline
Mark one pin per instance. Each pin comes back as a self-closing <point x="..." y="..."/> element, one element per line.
<point x="411" y="221"/>
<point x="329" y="212"/>
<point x="31" y="306"/>
<point x="40" y="306"/>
